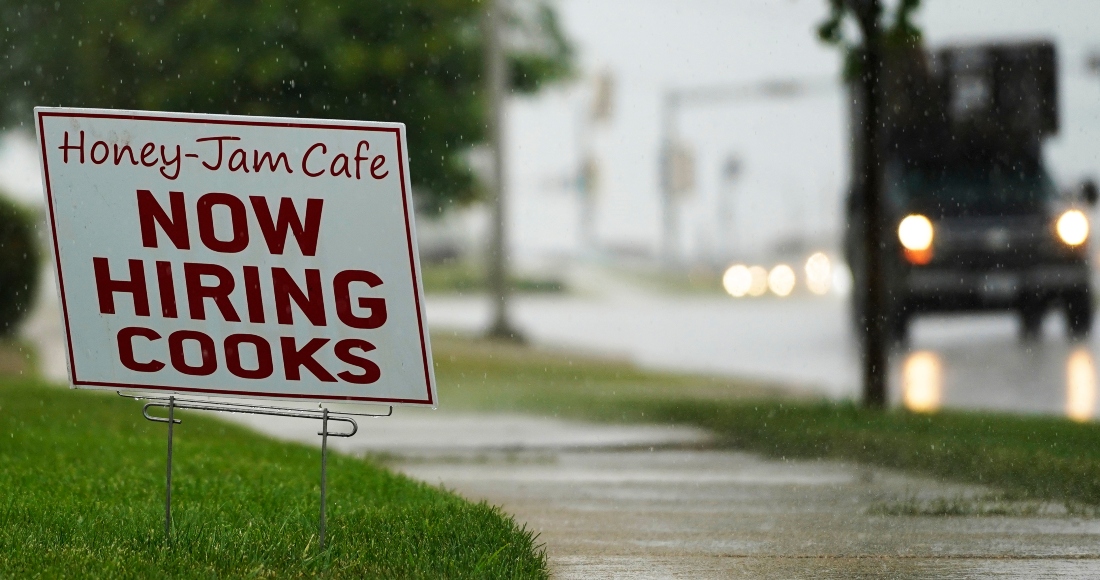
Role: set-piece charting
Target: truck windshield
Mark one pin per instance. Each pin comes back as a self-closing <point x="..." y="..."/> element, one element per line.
<point x="975" y="191"/>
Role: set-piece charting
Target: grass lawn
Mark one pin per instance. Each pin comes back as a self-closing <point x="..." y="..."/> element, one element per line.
<point x="82" y="492"/>
<point x="465" y="277"/>
<point x="1039" y="457"/>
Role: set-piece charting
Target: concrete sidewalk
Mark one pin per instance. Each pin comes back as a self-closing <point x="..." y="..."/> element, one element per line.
<point x="659" y="502"/>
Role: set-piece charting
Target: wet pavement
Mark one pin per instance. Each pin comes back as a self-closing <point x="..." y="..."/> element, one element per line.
<point x="970" y="362"/>
<point x="658" y="502"/>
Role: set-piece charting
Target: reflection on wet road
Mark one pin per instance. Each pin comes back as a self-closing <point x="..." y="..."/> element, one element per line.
<point x="979" y="362"/>
<point x="922" y="381"/>
<point x="972" y="361"/>
<point x="1080" y="385"/>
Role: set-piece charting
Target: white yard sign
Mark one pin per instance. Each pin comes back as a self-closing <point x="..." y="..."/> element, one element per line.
<point x="236" y="256"/>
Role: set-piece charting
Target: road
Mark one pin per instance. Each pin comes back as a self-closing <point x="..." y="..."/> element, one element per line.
<point x="972" y="362"/>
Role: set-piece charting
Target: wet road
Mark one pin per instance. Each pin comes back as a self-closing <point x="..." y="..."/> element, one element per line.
<point x="972" y="362"/>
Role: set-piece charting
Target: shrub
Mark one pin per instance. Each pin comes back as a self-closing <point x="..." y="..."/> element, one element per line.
<point x="19" y="264"/>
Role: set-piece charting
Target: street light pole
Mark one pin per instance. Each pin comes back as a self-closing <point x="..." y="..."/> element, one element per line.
<point x="497" y="79"/>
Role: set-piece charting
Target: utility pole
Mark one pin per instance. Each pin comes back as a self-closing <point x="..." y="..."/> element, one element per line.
<point x="874" y="355"/>
<point x="497" y="81"/>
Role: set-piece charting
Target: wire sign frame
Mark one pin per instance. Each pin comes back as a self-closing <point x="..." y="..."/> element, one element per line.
<point x="172" y="403"/>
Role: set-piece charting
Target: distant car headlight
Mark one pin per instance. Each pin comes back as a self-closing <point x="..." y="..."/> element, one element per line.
<point x="1073" y="227"/>
<point x="915" y="233"/>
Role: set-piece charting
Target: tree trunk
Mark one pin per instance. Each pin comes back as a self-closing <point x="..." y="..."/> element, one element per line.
<point x="874" y="347"/>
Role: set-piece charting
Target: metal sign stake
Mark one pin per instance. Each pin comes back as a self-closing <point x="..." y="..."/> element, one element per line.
<point x="171" y="404"/>
<point x="168" y="477"/>
<point x="324" y="451"/>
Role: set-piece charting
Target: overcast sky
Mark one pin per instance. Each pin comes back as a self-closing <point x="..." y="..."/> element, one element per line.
<point x="793" y="151"/>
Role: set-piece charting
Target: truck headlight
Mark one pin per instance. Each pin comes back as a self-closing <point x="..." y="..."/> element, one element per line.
<point x="915" y="234"/>
<point x="1073" y="227"/>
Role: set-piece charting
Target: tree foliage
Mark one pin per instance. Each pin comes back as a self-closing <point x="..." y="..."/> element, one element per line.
<point x="419" y="62"/>
<point x="898" y="31"/>
<point x="19" y="264"/>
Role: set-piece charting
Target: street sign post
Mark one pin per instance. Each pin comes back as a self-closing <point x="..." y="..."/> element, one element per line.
<point x="242" y="257"/>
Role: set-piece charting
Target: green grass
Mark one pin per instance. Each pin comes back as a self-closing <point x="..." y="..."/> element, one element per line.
<point x="485" y="375"/>
<point x="464" y="277"/>
<point x="1039" y="457"/>
<point x="81" y="495"/>
<point x="696" y="280"/>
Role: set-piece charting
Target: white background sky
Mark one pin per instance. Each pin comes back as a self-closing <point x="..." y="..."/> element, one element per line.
<point x="793" y="152"/>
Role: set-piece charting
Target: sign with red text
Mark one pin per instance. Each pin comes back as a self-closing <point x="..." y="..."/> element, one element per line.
<point x="236" y="256"/>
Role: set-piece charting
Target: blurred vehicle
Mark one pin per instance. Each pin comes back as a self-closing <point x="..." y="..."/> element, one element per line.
<point x="973" y="220"/>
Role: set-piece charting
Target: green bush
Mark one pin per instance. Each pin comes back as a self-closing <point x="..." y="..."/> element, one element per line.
<point x="19" y="264"/>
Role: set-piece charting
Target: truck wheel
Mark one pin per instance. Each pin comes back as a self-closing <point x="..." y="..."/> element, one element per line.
<point x="1031" y="321"/>
<point x="1079" y="314"/>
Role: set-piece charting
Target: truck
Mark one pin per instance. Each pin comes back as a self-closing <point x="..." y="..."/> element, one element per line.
<point x="972" y="218"/>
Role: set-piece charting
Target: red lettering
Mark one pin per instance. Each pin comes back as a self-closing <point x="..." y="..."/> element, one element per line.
<point x="66" y="147"/>
<point x="236" y="215"/>
<point x="371" y="372"/>
<point x="167" y="289"/>
<point x="175" y="161"/>
<point x="209" y="362"/>
<point x="264" y="366"/>
<point x="252" y="297"/>
<point x="275" y="231"/>
<point x="220" y="141"/>
<point x="124" y="150"/>
<point x="305" y="158"/>
<point x="126" y="349"/>
<point x="150" y="211"/>
<point x="106" y="152"/>
<point x="219" y="293"/>
<point x="106" y="287"/>
<point x="343" y="159"/>
<point x="238" y="161"/>
<point x="258" y="162"/>
<point x="359" y="157"/>
<point x="375" y="165"/>
<point x="342" y="287"/>
<point x="147" y="150"/>
<point x="311" y="302"/>
<point x="294" y="359"/>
